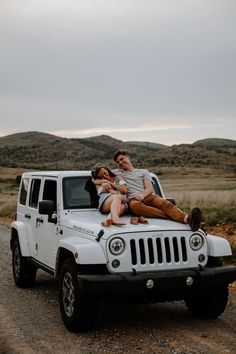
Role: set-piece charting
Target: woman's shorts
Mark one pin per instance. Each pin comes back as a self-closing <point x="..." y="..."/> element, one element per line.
<point x="102" y="199"/>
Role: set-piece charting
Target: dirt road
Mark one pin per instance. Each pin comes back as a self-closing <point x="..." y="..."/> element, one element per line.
<point x="30" y="323"/>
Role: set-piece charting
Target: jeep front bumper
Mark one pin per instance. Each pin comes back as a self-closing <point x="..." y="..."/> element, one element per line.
<point x="159" y="285"/>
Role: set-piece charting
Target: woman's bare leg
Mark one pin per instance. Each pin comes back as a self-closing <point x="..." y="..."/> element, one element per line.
<point x="115" y="207"/>
<point x="116" y="210"/>
<point x="108" y="221"/>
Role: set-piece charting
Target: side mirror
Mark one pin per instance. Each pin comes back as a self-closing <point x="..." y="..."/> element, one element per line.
<point x="47" y="207"/>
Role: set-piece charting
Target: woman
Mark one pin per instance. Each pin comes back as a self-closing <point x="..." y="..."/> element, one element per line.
<point x="112" y="191"/>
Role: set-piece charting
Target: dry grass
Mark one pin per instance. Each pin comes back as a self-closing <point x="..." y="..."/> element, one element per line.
<point x="9" y="174"/>
<point x="8" y="192"/>
<point x="214" y="191"/>
<point x="209" y="198"/>
<point x="8" y="205"/>
<point x="188" y="179"/>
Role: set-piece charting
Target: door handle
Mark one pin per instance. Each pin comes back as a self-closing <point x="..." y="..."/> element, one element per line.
<point x="27" y="216"/>
<point x="39" y="220"/>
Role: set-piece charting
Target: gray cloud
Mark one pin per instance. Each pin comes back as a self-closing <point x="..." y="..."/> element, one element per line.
<point x="108" y="64"/>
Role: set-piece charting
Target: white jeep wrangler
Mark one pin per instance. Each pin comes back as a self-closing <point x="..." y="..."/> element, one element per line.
<point x="58" y="229"/>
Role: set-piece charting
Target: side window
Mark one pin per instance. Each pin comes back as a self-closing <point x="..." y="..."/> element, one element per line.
<point x="24" y="190"/>
<point x="34" y="193"/>
<point x="50" y="191"/>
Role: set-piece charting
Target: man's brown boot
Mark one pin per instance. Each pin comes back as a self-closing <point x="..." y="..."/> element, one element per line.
<point x="195" y="219"/>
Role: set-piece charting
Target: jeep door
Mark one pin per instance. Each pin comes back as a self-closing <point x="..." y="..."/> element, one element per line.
<point x="31" y="215"/>
<point x="46" y="231"/>
<point x="25" y="214"/>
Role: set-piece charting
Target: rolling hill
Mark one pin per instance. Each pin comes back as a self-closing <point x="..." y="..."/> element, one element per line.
<point x="216" y="142"/>
<point x="37" y="150"/>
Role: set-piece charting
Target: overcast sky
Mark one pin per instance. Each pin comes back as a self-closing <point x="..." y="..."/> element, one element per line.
<point x="150" y="70"/>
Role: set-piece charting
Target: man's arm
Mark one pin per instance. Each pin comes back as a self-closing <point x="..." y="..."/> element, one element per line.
<point x="148" y="190"/>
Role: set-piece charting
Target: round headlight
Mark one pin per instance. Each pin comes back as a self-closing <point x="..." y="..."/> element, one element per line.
<point x="196" y="242"/>
<point x="117" y="246"/>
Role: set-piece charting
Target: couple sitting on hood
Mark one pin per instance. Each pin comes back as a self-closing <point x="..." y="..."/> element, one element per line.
<point x="128" y="186"/>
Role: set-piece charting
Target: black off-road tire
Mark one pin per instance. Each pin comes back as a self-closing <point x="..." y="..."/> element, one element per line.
<point x="209" y="304"/>
<point x="78" y="311"/>
<point x="24" y="272"/>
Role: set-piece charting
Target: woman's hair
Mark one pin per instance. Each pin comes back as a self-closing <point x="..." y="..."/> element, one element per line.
<point x="97" y="168"/>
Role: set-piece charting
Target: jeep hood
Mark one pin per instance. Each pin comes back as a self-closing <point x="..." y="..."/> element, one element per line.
<point x="89" y="223"/>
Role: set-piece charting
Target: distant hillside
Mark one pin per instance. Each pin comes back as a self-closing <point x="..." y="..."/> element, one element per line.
<point x="146" y="144"/>
<point x="28" y="138"/>
<point x="46" y="151"/>
<point x="215" y="142"/>
<point x="36" y="150"/>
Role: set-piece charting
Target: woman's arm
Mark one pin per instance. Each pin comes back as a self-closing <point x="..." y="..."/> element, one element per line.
<point x="99" y="181"/>
<point x="121" y="187"/>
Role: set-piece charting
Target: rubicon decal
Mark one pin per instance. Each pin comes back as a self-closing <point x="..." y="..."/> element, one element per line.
<point x="86" y="231"/>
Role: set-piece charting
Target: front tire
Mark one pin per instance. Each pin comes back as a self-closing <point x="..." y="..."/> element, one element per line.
<point x="209" y="304"/>
<point x="24" y="273"/>
<point x="78" y="311"/>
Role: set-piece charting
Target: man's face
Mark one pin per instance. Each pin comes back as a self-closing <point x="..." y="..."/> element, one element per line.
<point x="123" y="161"/>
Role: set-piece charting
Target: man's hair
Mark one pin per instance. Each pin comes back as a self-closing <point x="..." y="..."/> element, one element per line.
<point x="120" y="152"/>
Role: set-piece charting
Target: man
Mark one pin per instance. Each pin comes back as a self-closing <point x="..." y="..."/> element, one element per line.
<point x="143" y="201"/>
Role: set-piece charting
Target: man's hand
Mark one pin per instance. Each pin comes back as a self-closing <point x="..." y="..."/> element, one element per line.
<point x="139" y="197"/>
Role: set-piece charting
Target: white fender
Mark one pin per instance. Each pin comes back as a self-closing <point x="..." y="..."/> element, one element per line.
<point x="19" y="226"/>
<point x="89" y="252"/>
<point x="218" y="246"/>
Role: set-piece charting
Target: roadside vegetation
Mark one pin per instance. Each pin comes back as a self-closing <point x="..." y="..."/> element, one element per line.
<point x="214" y="191"/>
<point x="9" y="186"/>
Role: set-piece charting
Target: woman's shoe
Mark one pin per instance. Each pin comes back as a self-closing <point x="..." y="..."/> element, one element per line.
<point x="142" y="220"/>
<point x="134" y="220"/>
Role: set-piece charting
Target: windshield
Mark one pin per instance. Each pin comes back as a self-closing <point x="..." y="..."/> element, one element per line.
<point x="79" y="192"/>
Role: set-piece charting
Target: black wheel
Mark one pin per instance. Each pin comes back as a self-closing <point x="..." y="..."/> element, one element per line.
<point x="209" y="304"/>
<point x="78" y="311"/>
<point x="24" y="272"/>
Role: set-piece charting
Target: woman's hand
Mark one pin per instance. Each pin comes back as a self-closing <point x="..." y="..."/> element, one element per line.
<point x="106" y="187"/>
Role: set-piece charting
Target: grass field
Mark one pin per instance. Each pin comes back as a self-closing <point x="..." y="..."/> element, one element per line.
<point x="8" y="192"/>
<point x="212" y="190"/>
<point x="214" y="194"/>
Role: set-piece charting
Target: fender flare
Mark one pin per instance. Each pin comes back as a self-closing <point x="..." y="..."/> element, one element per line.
<point x="84" y="251"/>
<point x="218" y="246"/>
<point x="18" y="229"/>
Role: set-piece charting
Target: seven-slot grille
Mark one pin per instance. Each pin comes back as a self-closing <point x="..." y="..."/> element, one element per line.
<point x="158" y="250"/>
